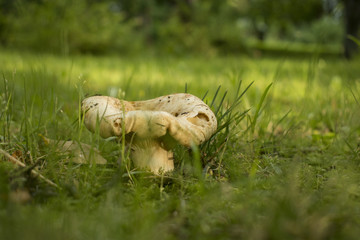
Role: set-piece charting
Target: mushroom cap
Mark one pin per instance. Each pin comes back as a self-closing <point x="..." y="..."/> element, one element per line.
<point x="185" y="108"/>
<point x="186" y="118"/>
<point x="105" y="113"/>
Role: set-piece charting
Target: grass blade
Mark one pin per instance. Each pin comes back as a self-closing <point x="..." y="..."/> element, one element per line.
<point x="214" y="98"/>
<point x="258" y="108"/>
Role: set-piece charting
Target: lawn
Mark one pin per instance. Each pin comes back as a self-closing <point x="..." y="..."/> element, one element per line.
<point x="286" y="165"/>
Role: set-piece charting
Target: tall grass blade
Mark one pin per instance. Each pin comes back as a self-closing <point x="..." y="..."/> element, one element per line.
<point x="280" y="121"/>
<point x="206" y="93"/>
<point x="214" y="98"/>
<point x="258" y="108"/>
<point x="354" y="96"/>
<point x="354" y="39"/>
<point x="220" y="104"/>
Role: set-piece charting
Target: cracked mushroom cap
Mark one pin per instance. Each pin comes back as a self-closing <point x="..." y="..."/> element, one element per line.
<point x="186" y="118"/>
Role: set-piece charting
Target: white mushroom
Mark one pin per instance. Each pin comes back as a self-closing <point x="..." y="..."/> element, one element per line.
<point x="157" y="124"/>
<point x="77" y="152"/>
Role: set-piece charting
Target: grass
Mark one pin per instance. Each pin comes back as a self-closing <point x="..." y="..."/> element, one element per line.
<point x="285" y="164"/>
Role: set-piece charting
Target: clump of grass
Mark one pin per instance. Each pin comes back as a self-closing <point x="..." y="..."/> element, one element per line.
<point x="228" y="117"/>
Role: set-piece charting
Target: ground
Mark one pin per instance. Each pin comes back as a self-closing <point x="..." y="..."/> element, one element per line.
<point x="285" y="164"/>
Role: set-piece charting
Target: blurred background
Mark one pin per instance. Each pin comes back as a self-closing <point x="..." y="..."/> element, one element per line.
<point x="205" y="27"/>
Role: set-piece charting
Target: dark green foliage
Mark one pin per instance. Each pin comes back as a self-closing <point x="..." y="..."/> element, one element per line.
<point x="165" y="27"/>
<point x="68" y="27"/>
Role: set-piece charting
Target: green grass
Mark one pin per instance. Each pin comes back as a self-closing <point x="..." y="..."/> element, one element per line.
<point x="285" y="165"/>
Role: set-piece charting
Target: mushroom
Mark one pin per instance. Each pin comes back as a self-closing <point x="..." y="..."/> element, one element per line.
<point x="77" y="152"/>
<point x="155" y="125"/>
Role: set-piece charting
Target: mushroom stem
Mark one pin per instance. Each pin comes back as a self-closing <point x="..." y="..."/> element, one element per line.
<point x="147" y="153"/>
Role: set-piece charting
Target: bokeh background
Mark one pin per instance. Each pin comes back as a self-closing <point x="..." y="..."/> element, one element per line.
<point x="179" y="27"/>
